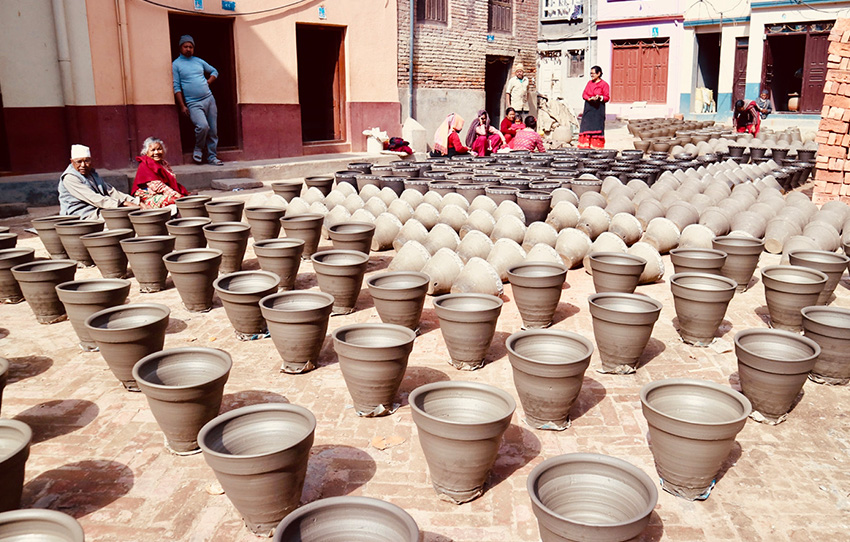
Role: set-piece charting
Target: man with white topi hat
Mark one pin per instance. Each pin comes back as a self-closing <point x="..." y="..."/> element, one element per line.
<point x="82" y="192"/>
<point x="516" y="91"/>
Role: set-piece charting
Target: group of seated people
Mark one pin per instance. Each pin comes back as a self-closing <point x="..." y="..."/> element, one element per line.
<point x="482" y="139"/>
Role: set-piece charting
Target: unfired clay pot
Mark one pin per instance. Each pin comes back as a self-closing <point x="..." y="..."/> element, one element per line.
<point x="831" y="264"/>
<point x="193" y="206"/>
<point x="118" y="218"/>
<point x="399" y="296"/>
<point x="622" y="326"/>
<point x="264" y="221"/>
<point x="616" y="272"/>
<point x="46" y="229"/>
<point x="15" y="438"/>
<point x="38" y="280"/>
<point x="149" y="222"/>
<point x="468" y="324"/>
<point x="830" y="328"/>
<point x="340" y="274"/>
<point x="787" y="289"/>
<point x="324" y="183"/>
<point x="742" y="258"/>
<point x="281" y="257"/>
<point x="82" y="298"/>
<point x="69" y="234"/>
<point x="536" y="287"/>
<point x="240" y="293"/>
<point x="10" y="291"/>
<point x="352" y="236"/>
<point x="697" y="260"/>
<point x="106" y="252"/>
<point x="145" y="257"/>
<point x="40" y="525"/>
<point x="188" y="232"/>
<point x="193" y="272"/>
<point x="223" y="210"/>
<point x="298" y="322"/>
<point x="535" y="205"/>
<point x="307" y="227"/>
<point x="231" y="238"/>
<point x="701" y="301"/>
<point x="287" y="189"/>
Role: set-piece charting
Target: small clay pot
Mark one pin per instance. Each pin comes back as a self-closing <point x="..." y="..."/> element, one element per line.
<point x="536" y="287"/>
<point x="787" y="289"/>
<point x="184" y="387"/>
<point x="15" y="438"/>
<point x="535" y="205"/>
<point x="396" y="184"/>
<point x="742" y="258"/>
<point x="193" y="272"/>
<point x="468" y="324"/>
<point x="470" y="191"/>
<point x="701" y="301"/>
<point x="361" y="167"/>
<point x="365" y="179"/>
<point x="418" y="184"/>
<point x="697" y="260"/>
<point x="145" y="257"/>
<point x="580" y="186"/>
<point x="70" y="233"/>
<point x="501" y="193"/>
<point x="352" y="236"/>
<point x="222" y="210"/>
<point x="240" y="293"/>
<point x="193" y="206"/>
<point x="287" y="190"/>
<point x="399" y="297"/>
<point x="40" y="524"/>
<point x="616" y="272"/>
<point x="82" y="298"/>
<point x="281" y="257"/>
<point x="297" y="322"/>
<point x="264" y="221"/>
<point x="10" y="291"/>
<point x="622" y="325"/>
<point x="323" y="183"/>
<point x="340" y="274"/>
<point x="442" y="187"/>
<point x="46" y="229"/>
<point x="38" y="280"/>
<point x="150" y="222"/>
<point x="118" y="218"/>
<point x="231" y="238"/>
<point x="830" y="328"/>
<point x="106" y="252"/>
<point x="830" y="263"/>
<point x="307" y="227"/>
<point x="188" y="232"/>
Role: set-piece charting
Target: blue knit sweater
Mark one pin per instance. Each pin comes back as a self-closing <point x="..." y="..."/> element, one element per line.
<point x="190" y="77"/>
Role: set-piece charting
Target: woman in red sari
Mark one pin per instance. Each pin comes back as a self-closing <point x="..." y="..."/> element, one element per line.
<point x="155" y="184"/>
<point x="596" y="94"/>
<point x="747" y="117"/>
<point x="482" y="138"/>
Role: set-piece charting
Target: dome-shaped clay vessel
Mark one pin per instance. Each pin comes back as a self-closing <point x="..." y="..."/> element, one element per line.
<point x="340" y="274"/>
<point x="10" y="290"/>
<point x="15" y="438"/>
<point x="223" y="210"/>
<point x="188" y="232"/>
<point x="264" y="222"/>
<point x="701" y="301"/>
<point x="45" y="227"/>
<point x="307" y="227"/>
<point x="399" y="296"/>
<point x="105" y="250"/>
<point x="622" y="326"/>
<point x="69" y="234"/>
<point x="281" y="257"/>
<point x="40" y="525"/>
<point x="742" y="258"/>
<point x="38" y="280"/>
<point x="297" y="322"/>
<point x="787" y="289"/>
<point x="832" y="264"/>
<point x="240" y="293"/>
<point x="616" y="272"/>
<point x="193" y="272"/>
<point x="468" y="324"/>
<point x="697" y="260"/>
<point x="150" y="222"/>
<point x="536" y="288"/>
<point x="193" y="206"/>
<point x="231" y="238"/>
<point x="145" y="257"/>
<point x="830" y="328"/>
<point x="352" y="236"/>
<point x="82" y="298"/>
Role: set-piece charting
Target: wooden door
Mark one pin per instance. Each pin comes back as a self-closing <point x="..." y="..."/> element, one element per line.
<point x="655" y="66"/>
<point x="625" y="76"/>
<point x="814" y="73"/>
<point x="739" y="80"/>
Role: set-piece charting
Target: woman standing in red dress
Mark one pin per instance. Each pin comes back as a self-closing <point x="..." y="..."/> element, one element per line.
<point x="596" y="94"/>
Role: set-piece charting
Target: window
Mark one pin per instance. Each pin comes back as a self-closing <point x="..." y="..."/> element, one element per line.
<point x="554" y="10"/>
<point x="435" y="11"/>
<point x="576" y="67"/>
<point x="500" y="18"/>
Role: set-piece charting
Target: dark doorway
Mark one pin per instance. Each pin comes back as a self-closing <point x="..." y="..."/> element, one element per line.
<point x="495" y="80"/>
<point x="784" y="57"/>
<point x="5" y="160"/>
<point x="739" y="80"/>
<point x="321" y="82"/>
<point x="214" y="43"/>
<point x="708" y="63"/>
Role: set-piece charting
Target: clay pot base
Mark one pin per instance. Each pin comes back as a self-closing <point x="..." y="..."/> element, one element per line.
<point x="827" y="380"/>
<point x="253" y="336"/>
<point x="175" y="452"/>
<point x="617" y="369"/>
<point x="51" y="319"/>
<point x="689" y="493"/>
<point x="297" y="368"/>
<point x="458" y="497"/>
<point x="150" y="288"/>
<point x="379" y="411"/>
<point x="757" y="416"/>
<point x="466" y="366"/>
<point x="130" y="385"/>
<point x="547" y="425"/>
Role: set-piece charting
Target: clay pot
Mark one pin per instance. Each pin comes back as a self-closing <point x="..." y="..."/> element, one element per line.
<point x="742" y="258"/>
<point x="281" y="257"/>
<point x="829" y="263"/>
<point x="399" y="297"/>
<point x="501" y="193"/>
<point x="240" y="293"/>
<point x="460" y="426"/>
<point x="38" y="280"/>
<point x="225" y="210"/>
<point x="106" y="252"/>
<point x="193" y="272"/>
<point x="830" y="328"/>
<point x="396" y="184"/>
<point x="46" y="229"/>
<point x="535" y="205"/>
<point x="590" y="497"/>
<point x="193" y="206"/>
<point x="701" y="301"/>
<point x="682" y="214"/>
<point x="548" y="369"/>
<point x="297" y="322"/>
<point x="622" y="325"/>
<point x="82" y="298"/>
<point x="15" y="438"/>
<point x="264" y="221"/>
<point x="352" y="236"/>
<point x="259" y="455"/>
<point x="307" y="227"/>
<point x="373" y="359"/>
<point x="118" y="218"/>
<point x="188" y="232"/>
<point x="616" y="272"/>
<point x="127" y="333"/>
<point x="183" y="387"/>
<point x="145" y="257"/>
<point x="40" y="525"/>
<point x="10" y="291"/>
<point x="692" y="427"/>
<point x="340" y="274"/>
<point x="697" y="260"/>
<point x="787" y="289"/>
<point x="537" y="289"/>
<point x="580" y="186"/>
<point x="70" y="233"/>
<point x="647" y="210"/>
<point x="323" y="183"/>
<point x="468" y="324"/>
<point x="231" y="238"/>
<point x="287" y="190"/>
<point x="773" y="366"/>
<point x="353" y="519"/>
<point x="150" y="222"/>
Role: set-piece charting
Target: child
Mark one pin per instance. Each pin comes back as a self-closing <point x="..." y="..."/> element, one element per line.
<point x="763" y="103"/>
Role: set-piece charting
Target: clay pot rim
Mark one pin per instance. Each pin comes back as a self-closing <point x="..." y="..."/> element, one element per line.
<point x="794" y="337"/>
<point x="327" y="298"/>
<point x="745" y="403"/>
<point x="484" y="297"/>
<point x="592" y="300"/>
<point x="731" y="284"/>
<point x="283" y="242"/>
<point x="220" y="354"/>
<point x="264" y="209"/>
<point x="108" y="233"/>
<point x="357" y="226"/>
<point x="188" y="222"/>
<point x="80" y="222"/>
<point x="232" y="227"/>
<point x="109" y="285"/>
<point x="812" y="313"/>
<point x="193" y="198"/>
<point x="16" y="252"/>
<point x="170" y="257"/>
<point x="302" y="219"/>
<point x="698" y="253"/>
<point x="72" y="527"/>
<point x="224" y="203"/>
<point x="768" y="270"/>
<point x="515" y="273"/>
<point x="372" y="281"/>
<point x="132" y="241"/>
<point x="316" y="257"/>
<point x="459" y="386"/>
<point x="291" y="184"/>
<point x="149" y="213"/>
<point x="89" y="323"/>
<point x="273" y="278"/>
<point x="534" y="194"/>
<point x="319" y="178"/>
<point x="617" y="258"/>
<point x="26" y="436"/>
<point x="824" y="257"/>
<point x="118" y="211"/>
<point x="49" y="265"/>
<point x="739" y="245"/>
<point x="410" y="334"/>
<point x="531" y="333"/>
<point x="501" y="189"/>
<point x="53" y="219"/>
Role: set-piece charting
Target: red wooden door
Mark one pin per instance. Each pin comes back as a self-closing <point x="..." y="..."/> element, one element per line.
<point x="625" y="77"/>
<point x="739" y="81"/>
<point x="814" y="73"/>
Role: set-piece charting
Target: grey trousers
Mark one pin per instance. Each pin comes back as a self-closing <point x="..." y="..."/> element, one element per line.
<point x="204" y="115"/>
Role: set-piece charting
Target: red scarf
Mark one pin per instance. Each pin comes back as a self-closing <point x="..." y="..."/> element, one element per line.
<point x="151" y="170"/>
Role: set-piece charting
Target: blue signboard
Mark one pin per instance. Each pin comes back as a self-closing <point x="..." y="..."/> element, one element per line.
<point x="654" y="31"/>
<point x="199" y="5"/>
<point x="229" y="6"/>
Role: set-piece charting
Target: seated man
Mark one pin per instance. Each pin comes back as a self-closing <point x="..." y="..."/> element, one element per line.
<point x="82" y="192"/>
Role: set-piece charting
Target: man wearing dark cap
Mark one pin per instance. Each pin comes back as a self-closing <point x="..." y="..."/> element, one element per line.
<point x="192" y="79"/>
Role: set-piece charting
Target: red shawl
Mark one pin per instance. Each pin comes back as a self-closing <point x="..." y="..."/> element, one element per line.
<point x="150" y="170"/>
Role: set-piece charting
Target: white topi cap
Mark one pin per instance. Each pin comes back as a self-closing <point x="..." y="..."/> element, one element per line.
<point x="80" y="151"/>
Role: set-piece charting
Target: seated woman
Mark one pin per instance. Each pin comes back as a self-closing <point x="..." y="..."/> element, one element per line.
<point x="510" y="124"/>
<point x="747" y="117"/>
<point x="482" y="138"/>
<point x="528" y="139"/>
<point x="155" y="184"/>
<point x="447" y="138"/>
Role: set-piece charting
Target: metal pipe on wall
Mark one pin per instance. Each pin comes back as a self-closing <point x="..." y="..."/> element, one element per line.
<point x="410" y="61"/>
<point x="63" y="52"/>
<point x="126" y="76"/>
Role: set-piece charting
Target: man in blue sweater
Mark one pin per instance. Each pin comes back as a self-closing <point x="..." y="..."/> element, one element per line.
<point x="192" y="79"/>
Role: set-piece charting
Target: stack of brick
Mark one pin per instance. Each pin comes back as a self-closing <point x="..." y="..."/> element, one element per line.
<point x="832" y="170"/>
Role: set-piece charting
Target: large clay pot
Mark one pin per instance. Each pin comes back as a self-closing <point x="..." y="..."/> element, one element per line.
<point x="82" y="298"/>
<point x="188" y="232"/>
<point x="590" y="497"/>
<point x="127" y="333"/>
<point x="501" y="193"/>
<point x="307" y="227"/>
<point x="259" y="455"/>
<point x="193" y="206"/>
<point x="298" y="322"/>
<point x="106" y="252"/>
<point x="548" y="369"/>
<point x="264" y="221"/>
<point x="830" y="328"/>
<point x="323" y="183"/>
<point x="701" y="301"/>
<point x="831" y="264"/>
<point x="460" y="426"/>
<point x="352" y="236"/>
<point x="787" y="289"/>
<point x="773" y="366"/>
<point x="287" y="190"/>
<point x="40" y="525"/>
<point x="118" y="218"/>
<point x="70" y="233"/>
<point x="281" y="257"/>
<point x="46" y="229"/>
<point x="535" y="205"/>
<point x="145" y="257"/>
<point x="231" y="238"/>
<point x="150" y="222"/>
<point x="616" y="272"/>
<point x="38" y="282"/>
<point x="742" y="258"/>
<point x="240" y="293"/>
<point x="468" y="324"/>
<point x="193" y="272"/>
<point x="536" y="287"/>
<point x="399" y="297"/>
<point x="692" y="427"/>
<point x="340" y="274"/>
<point x="223" y="210"/>
<point x="184" y="387"/>
<point x="373" y="359"/>
<point x="10" y="291"/>
<point x="15" y="438"/>
<point x="622" y="326"/>
<point x="697" y="260"/>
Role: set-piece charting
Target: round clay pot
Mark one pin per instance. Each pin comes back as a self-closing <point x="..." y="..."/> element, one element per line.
<point x="145" y="257"/>
<point x="399" y="296"/>
<point x="183" y="387"/>
<point x="468" y="324"/>
<point x="365" y="179"/>
<point x="472" y="190"/>
<point x="742" y="258"/>
<point x="682" y="214"/>
<point x="40" y="525"/>
<point x="193" y="206"/>
<point x="697" y="260"/>
<point x="15" y="438"/>
<point x="647" y="210"/>
<point x="287" y="190"/>
<point x="193" y="272"/>
<point x="38" y="280"/>
<point x="692" y="427"/>
<point x="418" y="184"/>
<point x="536" y="287"/>
<point x="830" y="263"/>
<point x="362" y="167"/>
<point x="240" y="293"/>
<point x="442" y="187"/>
<point x="548" y="369"/>
<point x="622" y="326"/>
<point x="188" y="232"/>
<point x="118" y="218"/>
<point x="298" y="322"/>
<point x="8" y="240"/>
<point x="773" y="366"/>
<point x="307" y="227"/>
<point x="353" y="519"/>
<point x="580" y="186"/>
<point x="323" y="183"/>
<point x="70" y="232"/>
<point x="535" y="205"/>
<point x="150" y="222"/>
<point x="396" y="184"/>
<point x="830" y="328"/>
<point x="373" y="359"/>
<point x="701" y="301"/>
<point x="352" y="236"/>
<point x="460" y="427"/>
<point x="127" y="333"/>
<point x="10" y="291"/>
<point x="340" y="274"/>
<point x="223" y="210"/>
<point x="787" y="289"/>
<point x="231" y="238"/>
<point x="590" y="497"/>
<point x="616" y="272"/>
<point x="106" y="252"/>
<point x="82" y="298"/>
<point x="264" y="221"/>
<point x="46" y="229"/>
<point x="501" y="193"/>
<point x="259" y="455"/>
<point x="281" y="257"/>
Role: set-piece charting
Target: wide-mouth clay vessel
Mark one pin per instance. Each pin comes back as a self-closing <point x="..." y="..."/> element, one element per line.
<point x="534" y="204"/>
<point x="240" y="293"/>
<point x="38" y="280"/>
<point x="701" y="301"/>
<point x="127" y="333"/>
<point x="188" y="232"/>
<point x="460" y="426"/>
<point x="742" y="258"/>
<point x="536" y="287"/>
<point x="259" y="455"/>
<point x="697" y="260"/>
<point x="193" y="272"/>
<point x="69" y="234"/>
<point x="193" y="206"/>
<point x="340" y="274"/>
<point x="82" y="298"/>
<point x="373" y="359"/>
<point x="501" y="193"/>
<point x="830" y="263"/>
<point x="773" y="365"/>
<point x="468" y="324"/>
<point x="118" y="218"/>
<point x="225" y="210"/>
<point x="281" y="257"/>
<point x="287" y="189"/>
<point x="40" y="525"/>
<point x="548" y="370"/>
<point x="184" y="387"/>
<point x="399" y="296"/>
<point x="323" y="182"/>
<point x="590" y="497"/>
<point x="298" y="323"/>
<point x="616" y="272"/>
<point x="45" y="227"/>
<point x="15" y="438"/>
<point x="787" y="289"/>
<point x="622" y="326"/>
<point x="150" y="222"/>
<point x="10" y="290"/>
<point x="352" y="236"/>
<point x="264" y="221"/>
<point x="231" y="238"/>
<point x="145" y="257"/>
<point x="105" y="250"/>
<point x="307" y="227"/>
<point x="692" y="428"/>
<point x="830" y="328"/>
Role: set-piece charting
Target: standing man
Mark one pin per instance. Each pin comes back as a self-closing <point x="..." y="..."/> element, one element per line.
<point x="517" y="91"/>
<point x="192" y="79"/>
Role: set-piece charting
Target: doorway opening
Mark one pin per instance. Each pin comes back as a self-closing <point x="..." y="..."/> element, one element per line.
<point x="708" y="69"/>
<point x="321" y="82"/>
<point x="785" y="55"/>
<point x="495" y="80"/>
<point x="5" y="157"/>
<point x="739" y="80"/>
<point x="214" y="43"/>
